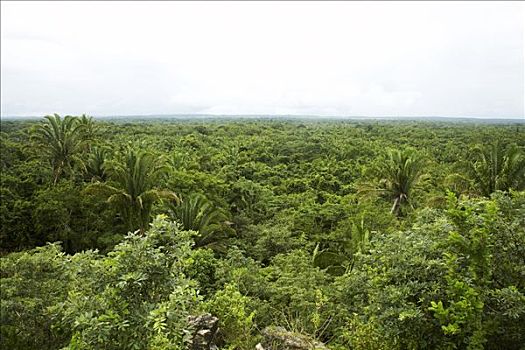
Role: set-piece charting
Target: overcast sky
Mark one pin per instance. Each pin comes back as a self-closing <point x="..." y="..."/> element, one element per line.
<point x="311" y="58"/>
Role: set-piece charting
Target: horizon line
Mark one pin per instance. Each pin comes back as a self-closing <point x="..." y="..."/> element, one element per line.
<point x="268" y="115"/>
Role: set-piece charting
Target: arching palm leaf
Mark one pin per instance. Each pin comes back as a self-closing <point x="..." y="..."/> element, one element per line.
<point x="495" y="168"/>
<point x="197" y="213"/>
<point x="400" y="174"/>
<point x="133" y="190"/>
<point x="60" y="139"/>
<point x="95" y="164"/>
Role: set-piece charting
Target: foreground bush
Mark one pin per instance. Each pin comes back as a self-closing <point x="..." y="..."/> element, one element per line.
<point x="455" y="279"/>
<point x="135" y="297"/>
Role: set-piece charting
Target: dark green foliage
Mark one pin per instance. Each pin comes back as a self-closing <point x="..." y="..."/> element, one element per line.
<point x="198" y="214"/>
<point x="60" y="139"/>
<point x="95" y="165"/>
<point x="33" y="282"/>
<point x="133" y="189"/>
<point x="362" y="235"/>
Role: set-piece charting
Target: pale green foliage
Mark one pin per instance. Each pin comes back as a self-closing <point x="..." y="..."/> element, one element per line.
<point x="385" y="296"/>
<point x="470" y="269"/>
<point x="403" y="170"/>
<point x="88" y="127"/>
<point x="137" y="297"/>
<point x="297" y="291"/>
<point x="441" y="284"/>
<point x="237" y="324"/>
<point x="495" y="168"/>
<point x="400" y="173"/>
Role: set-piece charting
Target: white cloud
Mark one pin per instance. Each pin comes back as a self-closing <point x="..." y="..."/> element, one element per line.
<point x="324" y="58"/>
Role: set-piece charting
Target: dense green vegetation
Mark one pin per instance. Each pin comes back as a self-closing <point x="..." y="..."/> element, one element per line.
<point x="362" y="235"/>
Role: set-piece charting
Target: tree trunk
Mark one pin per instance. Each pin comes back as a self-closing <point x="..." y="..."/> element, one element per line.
<point x="395" y="207"/>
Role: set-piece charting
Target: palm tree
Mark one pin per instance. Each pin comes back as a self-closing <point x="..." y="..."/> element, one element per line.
<point x="494" y="168"/>
<point x="61" y="139"/>
<point x="403" y="170"/>
<point x="400" y="174"/>
<point x="88" y="130"/>
<point x="95" y="164"/>
<point x="355" y="241"/>
<point x="199" y="214"/>
<point x="133" y="188"/>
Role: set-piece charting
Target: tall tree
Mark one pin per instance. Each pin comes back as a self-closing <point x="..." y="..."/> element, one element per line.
<point x="60" y="139"/>
<point x="199" y="214"/>
<point x="403" y="170"/>
<point x="89" y="130"/>
<point x="494" y="168"/>
<point x="95" y="164"/>
<point x="132" y="187"/>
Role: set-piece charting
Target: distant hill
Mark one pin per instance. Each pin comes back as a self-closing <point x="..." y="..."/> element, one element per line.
<point x="187" y="117"/>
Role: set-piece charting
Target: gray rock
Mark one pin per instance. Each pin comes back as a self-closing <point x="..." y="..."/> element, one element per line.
<point x="278" y="338"/>
<point x="204" y="329"/>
